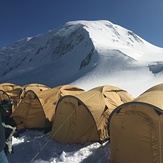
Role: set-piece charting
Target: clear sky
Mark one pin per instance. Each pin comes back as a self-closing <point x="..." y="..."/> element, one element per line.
<point x="25" y="18"/>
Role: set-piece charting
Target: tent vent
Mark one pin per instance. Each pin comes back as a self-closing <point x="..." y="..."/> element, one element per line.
<point x="79" y="103"/>
<point x="105" y="108"/>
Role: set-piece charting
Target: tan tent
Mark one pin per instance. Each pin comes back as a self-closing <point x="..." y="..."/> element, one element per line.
<point x="36" y="110"/>
<point x="3" y="95"/>
<point x="8" y="86"/>
<point x="83" y="117"/>
<point x="13" y="91"/>
<point x="136" y="129"/>
<point x="35" y="87"/>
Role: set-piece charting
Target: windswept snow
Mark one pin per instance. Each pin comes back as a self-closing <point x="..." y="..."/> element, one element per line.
<point x="37" y="147"/>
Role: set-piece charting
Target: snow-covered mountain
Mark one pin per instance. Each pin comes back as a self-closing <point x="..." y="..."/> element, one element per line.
<point x="86" y="54"/>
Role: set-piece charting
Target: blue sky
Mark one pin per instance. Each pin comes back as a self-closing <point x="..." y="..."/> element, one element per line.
<point x="25" y="18"/>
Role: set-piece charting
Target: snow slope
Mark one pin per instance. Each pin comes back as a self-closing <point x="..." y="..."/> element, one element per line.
<point x="37" y="147"/>
<point x="81" y="51"/>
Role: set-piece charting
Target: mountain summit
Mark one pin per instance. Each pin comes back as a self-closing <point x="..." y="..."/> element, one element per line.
<point x="96" y="52"/>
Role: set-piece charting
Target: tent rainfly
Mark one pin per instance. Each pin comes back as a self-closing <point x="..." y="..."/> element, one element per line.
<point x="35" y="87"/>
<point x="3" y="95"/>
<point x="36" y="110"/>
<point x="8" y="86"/>
<point x="83" y="118"/>
<point x="13" y="91"/>
<point x="136" y="129"/>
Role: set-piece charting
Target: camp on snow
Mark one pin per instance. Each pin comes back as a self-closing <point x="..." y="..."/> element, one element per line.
<point x="10" y="91"/>
<point x="136" y="129"/>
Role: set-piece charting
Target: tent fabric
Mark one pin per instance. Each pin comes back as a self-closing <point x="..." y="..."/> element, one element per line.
<point x="13" y="91"/>
<point x="16" y="93"/>
<point x="35" y="87"/>
<point x="8" y="86"/>
<point x="36" y="110"/>
<point x="3" y="95"/>
<point x="136" y="129"/>
<point x="81" y="118"/>
<point x="153" y="96"/>
<point x="29" y="113"/>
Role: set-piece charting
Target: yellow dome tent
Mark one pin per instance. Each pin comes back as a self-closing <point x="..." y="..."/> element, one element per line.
<point x="81" y="118"/>
<point x="35" y="87"/>
<point x="136" y="129"/>
<point x="36" y="110"/>
<point x="13" y="91"/>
